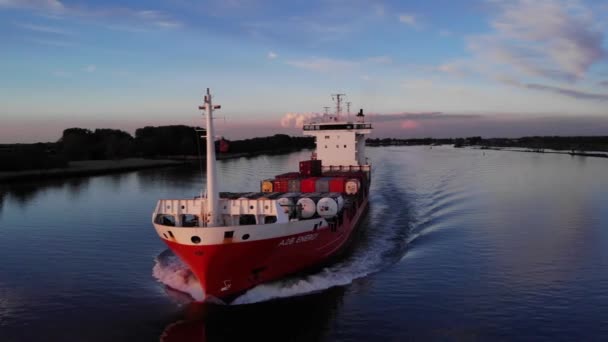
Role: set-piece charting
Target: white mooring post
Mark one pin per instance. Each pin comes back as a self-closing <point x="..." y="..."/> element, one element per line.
<point x="213" y="215"/>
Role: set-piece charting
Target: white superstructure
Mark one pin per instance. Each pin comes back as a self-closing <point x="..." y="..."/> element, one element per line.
<point x="339" y="143"/>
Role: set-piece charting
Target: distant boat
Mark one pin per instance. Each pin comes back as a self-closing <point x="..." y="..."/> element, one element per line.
<point x="235" y="241"/>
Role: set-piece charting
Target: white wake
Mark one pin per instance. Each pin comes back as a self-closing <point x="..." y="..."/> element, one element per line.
<point x="170" y="271"/>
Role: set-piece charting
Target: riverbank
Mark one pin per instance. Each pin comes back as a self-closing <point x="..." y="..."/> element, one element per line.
<point x="231" y="155"/>
<point x="598" y="154"/>
<point x="88" y="168"/>
<point x="99" y="167"/>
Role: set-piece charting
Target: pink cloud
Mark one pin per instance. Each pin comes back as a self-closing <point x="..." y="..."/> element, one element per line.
<point x="409" y="124"/>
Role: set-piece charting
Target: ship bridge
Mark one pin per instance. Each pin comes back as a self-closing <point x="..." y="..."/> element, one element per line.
<point x="339" y="143"/>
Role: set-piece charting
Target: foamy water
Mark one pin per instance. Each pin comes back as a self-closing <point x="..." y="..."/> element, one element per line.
<point x="171" y="271"/>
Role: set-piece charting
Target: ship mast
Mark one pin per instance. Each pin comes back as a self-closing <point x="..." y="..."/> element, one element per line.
<point x="348" y="110"/>
<point x="213" y="215"/>
<point x="338" y="99"/>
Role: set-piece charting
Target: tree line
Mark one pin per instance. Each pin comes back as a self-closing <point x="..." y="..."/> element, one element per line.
<point x="164" y="141"/>
<point x="572" y="144"/>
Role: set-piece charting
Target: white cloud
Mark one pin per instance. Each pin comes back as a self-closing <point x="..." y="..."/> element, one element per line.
<point x="379" y="9"/>
<point x="90" y="68"/>
<point x="61" y="73"/>
<point x="297" y="120"/>
<point x="556" y="39"/>
<point x="149" y="14"/>
<point x="331" y="64"/>
<point x="43" y="28"/>
<point x="569" y="92"/>
<point x="53" y="8"/>
<point x="323" y="64"/>
<point x="461" y="67"/>
<point x="53" y="5"/>
<point x="157" y="18"/>
<point x="408" y="19"/>
<point x="417" y="84"/>
<point x="380" y="60"/>
<point x="272" y="55"/>
<point x="168" y="24"/>
<point x="50" y="42"/>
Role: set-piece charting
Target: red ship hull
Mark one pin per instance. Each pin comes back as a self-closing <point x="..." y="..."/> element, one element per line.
<point x="228" y="269"/>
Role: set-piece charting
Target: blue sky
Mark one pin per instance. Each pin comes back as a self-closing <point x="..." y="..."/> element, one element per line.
<point x="421" y="68"/>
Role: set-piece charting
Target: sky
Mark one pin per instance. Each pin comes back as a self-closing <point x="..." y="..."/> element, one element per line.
<point x="439" y="68"/>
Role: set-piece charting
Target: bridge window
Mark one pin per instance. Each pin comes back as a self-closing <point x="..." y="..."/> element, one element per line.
<point x="165" y="220"/>
<point x="246" y="219"/>
<point x="270" y="219"/>
<point x="189" y="220"/>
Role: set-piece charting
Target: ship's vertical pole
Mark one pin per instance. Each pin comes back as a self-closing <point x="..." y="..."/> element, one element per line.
<point x="338" y="98"/>
<point x="212" y="191"/>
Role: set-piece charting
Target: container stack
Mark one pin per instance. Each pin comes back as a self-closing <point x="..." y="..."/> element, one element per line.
<point x="311" y="179"/>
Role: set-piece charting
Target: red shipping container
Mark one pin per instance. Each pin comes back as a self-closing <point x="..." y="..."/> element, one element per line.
<point x="281" y="185"/>
<point x="288" y="175"/>
<point x="336" y="184"/>
<point x="305" y="168"/>
<point x="308" y="184"/>
<point x="310" y="168"/>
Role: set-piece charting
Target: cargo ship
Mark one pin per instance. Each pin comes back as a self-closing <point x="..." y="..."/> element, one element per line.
<point x="233" y="241"/>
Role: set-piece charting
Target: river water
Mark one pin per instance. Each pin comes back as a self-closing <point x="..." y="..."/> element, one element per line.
<point x="459" y="244"/>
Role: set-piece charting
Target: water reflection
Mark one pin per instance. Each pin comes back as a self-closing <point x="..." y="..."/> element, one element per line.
<point x="305" y="318"/>
<point x="179" y="178"/>
<point x="23" y="193"/>
<point x="2" y="198"/>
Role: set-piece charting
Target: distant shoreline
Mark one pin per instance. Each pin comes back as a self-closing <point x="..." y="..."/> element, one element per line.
<point x="585" y="146"/>
<point x="530" y="150"/>
<point x="101" y="167"/>
<point x="88" y="168"/>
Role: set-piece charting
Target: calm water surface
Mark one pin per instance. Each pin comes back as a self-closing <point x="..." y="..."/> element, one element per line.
<point x="458" y="245"/>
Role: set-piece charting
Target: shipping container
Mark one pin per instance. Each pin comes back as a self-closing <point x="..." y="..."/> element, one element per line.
<point x="352" y="186"/>
<point x="322" y="184"/>
<point x="294" y="185"/>
<point x="281" y="185"/>
<point x="336" y="184"/>
<point x="267" y="185"/>
<point x="347" y="174"/>
<point x="310" y="168"/>
<point x="308" y="184"/>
